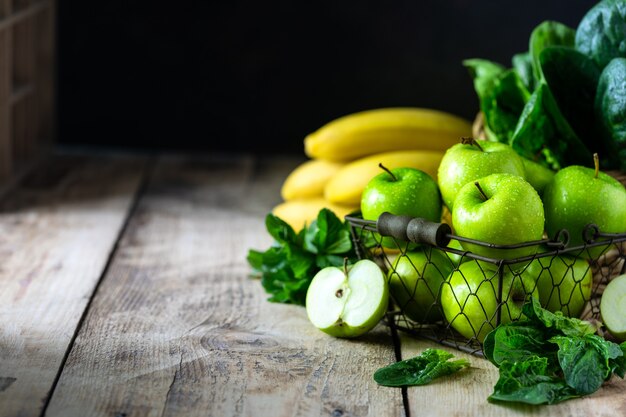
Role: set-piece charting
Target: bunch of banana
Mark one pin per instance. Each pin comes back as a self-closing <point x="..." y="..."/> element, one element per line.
<point x="347" y="151"/>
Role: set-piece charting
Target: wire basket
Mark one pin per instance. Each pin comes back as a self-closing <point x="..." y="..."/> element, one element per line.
<point x="455" y="297"/>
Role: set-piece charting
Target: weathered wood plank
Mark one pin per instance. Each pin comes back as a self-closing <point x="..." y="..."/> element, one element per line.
<point x="57" y="229"/>
<point x="178" y="328"/>
<point x="466" y="392"/>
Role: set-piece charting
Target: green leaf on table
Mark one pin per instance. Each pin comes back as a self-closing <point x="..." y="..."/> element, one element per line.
<point x="610" y="113"/>
<point x="502" y="97"/>
<point x="544" y="136"/>
<point x="531" y="382"/>
<point x="420" y="370"/>
<point x="523" y="64"/>
<point x="601" y="34"/>
<point x="548" y="33"/>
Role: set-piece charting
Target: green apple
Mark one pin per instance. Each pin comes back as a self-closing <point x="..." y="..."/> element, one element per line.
<point x="613" y="307"/>
<point x="469" y="298"/>
<point x="401" y="191"/>
<point x="564" y="283"/>
<point x="415" y="281"/>
<point x="463" y="163"/>
<point x="453" y="258"/>
<point x="578" y="196"/>
<point x="349" y="302"/>
<point x="537" y="175"/>
<point x="501" y="209"/>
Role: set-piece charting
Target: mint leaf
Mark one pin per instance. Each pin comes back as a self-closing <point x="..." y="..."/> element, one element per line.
<point x="279" y="230"/>
<point x="288" y="267"/>
<point x="420" y="370"/>
<point x="327" y="234"/>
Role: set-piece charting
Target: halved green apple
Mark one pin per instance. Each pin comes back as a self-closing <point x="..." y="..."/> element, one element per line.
<point x="613" y="307"/>
<point x="347" y="303"/>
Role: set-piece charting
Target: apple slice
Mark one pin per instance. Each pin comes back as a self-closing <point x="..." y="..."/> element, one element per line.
<point x="613" y="307"/>
<point x="349" y="302"/>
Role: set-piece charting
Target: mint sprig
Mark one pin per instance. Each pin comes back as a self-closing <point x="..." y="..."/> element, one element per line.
<point x="287" y="268"/>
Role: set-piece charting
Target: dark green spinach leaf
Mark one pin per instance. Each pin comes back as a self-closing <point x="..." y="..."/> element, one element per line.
<point x="610" y="112"/>
<point x="544" y="136"/>
<point x="547" y="357"/>
<point x="573" y="80"/>
<point x="531" y="381"/>
<point x="542" y="318"/>
<point x="420" y="370"/>
<point x="548" y="33"/>
<point x="523" y="64"/>
<point x="601" y="34"/>
<point x="502" y="97"/>
<point x="516" y="342"/>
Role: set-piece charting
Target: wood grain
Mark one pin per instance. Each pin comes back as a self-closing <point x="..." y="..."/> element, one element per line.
<point x="465" y="393"/>
<point x="57" y="229"/>
<point x="177" y="327"/>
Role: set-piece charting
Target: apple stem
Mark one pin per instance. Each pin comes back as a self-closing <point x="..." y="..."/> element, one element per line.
<point x="381" y="166"/>
<point x="481" y="190"/>
<point x="596" y="163"/>
<point x="473" y="142"/>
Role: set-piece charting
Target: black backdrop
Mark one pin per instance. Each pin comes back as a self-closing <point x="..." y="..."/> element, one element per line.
<point x="258" y="76"/>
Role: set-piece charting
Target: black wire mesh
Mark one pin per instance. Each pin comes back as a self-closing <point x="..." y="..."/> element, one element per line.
<point x="455" y="297"/>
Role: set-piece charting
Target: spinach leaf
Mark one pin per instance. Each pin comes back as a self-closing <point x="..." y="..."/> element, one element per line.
<point x="287" y="268"/>
<point x="586" y="361"/>
<point x="523" y="64"/>
<point x="544" y="136"/>
<point x="502" y="97"/>
<point x="569" y="326"/>
<point x="516" y="342"/>
<point x="610" y="112"/>
<point x="548" y="33"/>
<point x="601" y="34"/>
<point x="547" y="357"/>
<point x="573" y="79"/>
<point x="531" y="382"/>
<point x="618" y="364"/>
<point x="484" y="74"/>
<point x="420" y="370"/>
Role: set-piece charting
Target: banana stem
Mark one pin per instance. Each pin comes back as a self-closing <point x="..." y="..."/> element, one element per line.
<point x="473" y="142"/>
<point x="482" y="192"/>
<point x="596" y="163"/>
<point x="381" y="166"/>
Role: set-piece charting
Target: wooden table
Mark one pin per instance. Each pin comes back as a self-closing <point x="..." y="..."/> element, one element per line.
<point x="124" y="291"/>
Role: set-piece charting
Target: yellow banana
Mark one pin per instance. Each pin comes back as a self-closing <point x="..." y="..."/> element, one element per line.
<point x="298" y="213"/>
<point x="308" y="179"/>
<point x="346" y="186"/>
<point x="383" y="130"/>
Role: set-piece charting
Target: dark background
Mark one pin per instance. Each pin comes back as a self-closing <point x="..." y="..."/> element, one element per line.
<point x="258" y="76"/>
